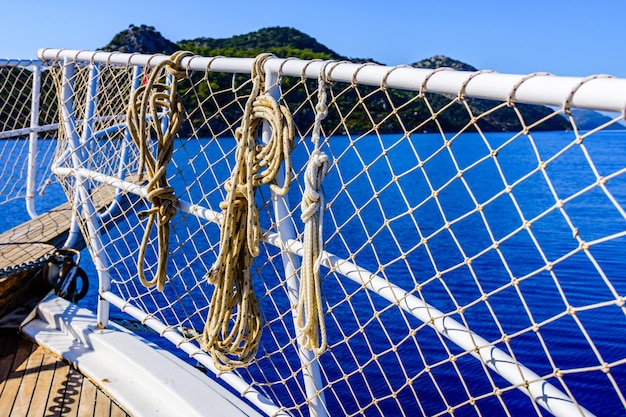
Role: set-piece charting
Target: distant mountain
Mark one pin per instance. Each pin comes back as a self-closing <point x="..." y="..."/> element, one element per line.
<point x="289" y="42"/>
<point x="589" y="119"/>
<point x="263" y="39"/>
<point x="143" y="39"/>
<point x="443" y="61"/>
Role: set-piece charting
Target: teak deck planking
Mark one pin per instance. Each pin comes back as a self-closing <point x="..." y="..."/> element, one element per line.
<point x="34" y="238"/>
<point x="36" y="383"/>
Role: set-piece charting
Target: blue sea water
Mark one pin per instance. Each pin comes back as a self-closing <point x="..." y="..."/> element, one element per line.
<point x="583" y="280"/>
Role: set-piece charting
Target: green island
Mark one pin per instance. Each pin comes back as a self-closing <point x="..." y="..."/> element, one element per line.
<point x="289" y="42"/>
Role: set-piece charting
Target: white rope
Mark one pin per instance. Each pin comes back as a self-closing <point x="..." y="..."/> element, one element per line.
<point x="310" y="310"/>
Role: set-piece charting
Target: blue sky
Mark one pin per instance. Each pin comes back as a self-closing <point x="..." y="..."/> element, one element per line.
<point x="572" y="37"/>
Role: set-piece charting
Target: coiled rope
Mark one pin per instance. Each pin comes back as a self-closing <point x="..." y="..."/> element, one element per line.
<point x="233" y="328"/>
<point x="310" y="311"/>
<point x="149" y="104"/>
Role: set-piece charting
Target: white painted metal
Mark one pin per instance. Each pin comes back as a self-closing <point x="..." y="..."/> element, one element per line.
<point x="18" y="62"/>
<point x="83" y="199"/>
<point x="86" y="135"/>
<point x="232" y="379"/>
<point x="31" y="175"/>
<point x="313" y="383"/>
<point x="144" y="379"/>
<point x="607" y="94"/>
<point x="90" y="103"/>
<point x="28" y="130"/>
<point x="546" y="394"/>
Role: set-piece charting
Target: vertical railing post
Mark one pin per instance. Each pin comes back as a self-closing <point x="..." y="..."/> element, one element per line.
<point x="31" y="175"/>
<point x="123" y="152"/>
<point x="90" y="103"/>
<point x="82" y="197"/>
<point x="291" y="263"/>
<point x="86" y="135"/>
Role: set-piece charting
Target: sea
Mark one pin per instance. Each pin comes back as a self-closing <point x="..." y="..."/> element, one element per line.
<point x="404" y="173"/>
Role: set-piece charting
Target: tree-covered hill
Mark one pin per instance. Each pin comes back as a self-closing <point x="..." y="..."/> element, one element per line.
<point x="282" y="41"/>
<point x="289" y="42"/>
<point x="143" y="39"/>
<point x="438" y="61"/>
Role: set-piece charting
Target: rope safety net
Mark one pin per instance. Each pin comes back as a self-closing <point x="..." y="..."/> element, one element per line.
<point x="28" y="123"/>
<point x="452" y="227"/>
<point x="16" y="92"/>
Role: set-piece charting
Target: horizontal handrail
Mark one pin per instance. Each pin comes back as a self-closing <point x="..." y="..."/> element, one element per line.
<point x="19" y="62"/>
<point x="55" y="126"/>
<point x="595" y="92"/>
<point x="28" y="130"/>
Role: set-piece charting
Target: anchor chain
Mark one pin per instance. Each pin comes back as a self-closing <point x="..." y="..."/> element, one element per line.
<point x="57" y="269"/>
<point x="26" y="266"/>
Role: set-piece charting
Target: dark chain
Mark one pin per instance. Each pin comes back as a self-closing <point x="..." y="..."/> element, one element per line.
<point x="69" y="281"/>
<point x="57" y="257"/>
<point x="25" y="266"/>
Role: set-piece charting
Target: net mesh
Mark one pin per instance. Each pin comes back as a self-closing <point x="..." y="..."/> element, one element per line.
<point x="477" y="208"/>
<point x="16" y="87"/>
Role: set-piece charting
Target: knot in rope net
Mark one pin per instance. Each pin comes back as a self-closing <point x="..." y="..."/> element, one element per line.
<point x="233" y="328"/>
<point x="154" y="112"/>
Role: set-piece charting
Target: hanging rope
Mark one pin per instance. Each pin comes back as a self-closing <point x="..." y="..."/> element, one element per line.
<point x="310" y="311"/>
<point x="149" y="104"/>
<point x="233" y="329"/>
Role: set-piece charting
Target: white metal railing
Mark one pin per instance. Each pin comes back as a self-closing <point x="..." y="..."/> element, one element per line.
<point x="32" y="130"/>
<point x="597" y="92"/>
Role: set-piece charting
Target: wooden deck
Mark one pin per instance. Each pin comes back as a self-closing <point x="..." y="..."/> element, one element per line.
<point x="36" y="383"/>
<point x="36" y="237"/>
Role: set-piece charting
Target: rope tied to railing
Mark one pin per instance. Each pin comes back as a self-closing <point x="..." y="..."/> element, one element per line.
<point x="149" y="105"/>
<point x="310" y="310"/>
<point x="233" y="328"/>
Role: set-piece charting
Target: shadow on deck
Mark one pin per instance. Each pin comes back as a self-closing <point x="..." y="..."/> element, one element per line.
<point x="36" y="383"/>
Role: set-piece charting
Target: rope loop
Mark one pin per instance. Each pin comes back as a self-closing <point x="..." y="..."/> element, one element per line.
<point x="428" y="76"/>
<point x="461" y="95"/>
<point x="567" y="103"/>
<point x="310" y="310"/>
<point x="152" y="104"/>
<point x="233" y="329"/>
<point x="511" y="97"/>
<point x="383" y="84"/>
<point x="316" y="171"/>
